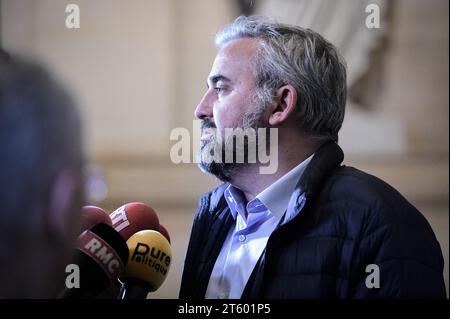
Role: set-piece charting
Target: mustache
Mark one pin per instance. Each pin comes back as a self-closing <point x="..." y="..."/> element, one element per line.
<point x="207" y="123"/>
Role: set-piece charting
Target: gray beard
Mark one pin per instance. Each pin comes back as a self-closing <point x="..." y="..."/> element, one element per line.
<point x="226" y="170"/>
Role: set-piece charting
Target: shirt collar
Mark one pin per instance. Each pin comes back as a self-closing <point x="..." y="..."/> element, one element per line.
<point x="275" y="197"/>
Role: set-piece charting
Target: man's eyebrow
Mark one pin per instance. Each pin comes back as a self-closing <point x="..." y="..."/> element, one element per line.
<point x="216" y="78"/>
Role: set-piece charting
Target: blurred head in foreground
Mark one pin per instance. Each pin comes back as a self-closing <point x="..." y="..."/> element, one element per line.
<point x="41" y="180"/>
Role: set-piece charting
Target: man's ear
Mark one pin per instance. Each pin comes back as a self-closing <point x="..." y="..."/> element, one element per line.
<point x="64" y="209"/>
<point x="286" y="100"/>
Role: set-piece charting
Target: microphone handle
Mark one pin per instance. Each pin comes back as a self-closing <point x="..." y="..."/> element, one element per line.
<point x="134" y="289"/>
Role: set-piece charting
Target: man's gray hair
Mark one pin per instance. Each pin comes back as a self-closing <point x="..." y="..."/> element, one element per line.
<point x="299" y="57"/>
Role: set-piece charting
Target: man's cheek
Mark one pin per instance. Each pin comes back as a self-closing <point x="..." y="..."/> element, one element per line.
<point x="229" y="118"/>
<point x="218" y="119"/>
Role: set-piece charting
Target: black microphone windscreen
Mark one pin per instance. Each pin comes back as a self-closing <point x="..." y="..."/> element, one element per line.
<point x="101" y="256"/>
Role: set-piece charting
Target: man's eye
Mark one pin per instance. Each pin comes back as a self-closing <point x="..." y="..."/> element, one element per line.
<point x="218" y="89"/>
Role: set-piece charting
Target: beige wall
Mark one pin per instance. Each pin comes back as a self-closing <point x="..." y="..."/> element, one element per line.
<point x="415" y="86"/>
<point x="138" y="68"/>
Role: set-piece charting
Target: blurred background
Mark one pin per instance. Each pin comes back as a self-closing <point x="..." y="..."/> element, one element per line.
<point x="138" y="68"/>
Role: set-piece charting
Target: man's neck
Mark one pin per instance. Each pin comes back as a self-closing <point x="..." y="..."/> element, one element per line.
<point x="251" y="182"/>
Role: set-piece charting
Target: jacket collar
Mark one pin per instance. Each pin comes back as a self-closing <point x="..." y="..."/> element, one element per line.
<point x="327" y="157"/>
<point x="217" y="198"/>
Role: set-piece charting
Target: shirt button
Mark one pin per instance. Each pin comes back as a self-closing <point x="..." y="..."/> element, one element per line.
<point x="241" y="238"/>
<point x="222" y="296"/>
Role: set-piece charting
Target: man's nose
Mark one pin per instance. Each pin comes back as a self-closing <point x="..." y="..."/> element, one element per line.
<point x="204" y="108"/>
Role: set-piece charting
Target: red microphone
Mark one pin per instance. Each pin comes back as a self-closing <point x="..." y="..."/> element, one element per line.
<point x="133" y="217"/>
<point x="164" y="232"/>
<point x="92" y="215"/>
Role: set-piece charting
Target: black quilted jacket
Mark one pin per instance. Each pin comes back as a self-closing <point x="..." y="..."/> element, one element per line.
<point x="350" y="220"/>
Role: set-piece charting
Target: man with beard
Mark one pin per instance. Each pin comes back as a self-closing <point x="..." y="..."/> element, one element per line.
<point x="313" y="228"/>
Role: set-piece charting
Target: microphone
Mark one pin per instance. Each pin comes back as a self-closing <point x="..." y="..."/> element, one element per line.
<point x="101" y="257"/>
<point x="133" y="217"/>
<point x="150" y="256"/>
<point x="164" y="232"/>
<point x="91" y="215"/>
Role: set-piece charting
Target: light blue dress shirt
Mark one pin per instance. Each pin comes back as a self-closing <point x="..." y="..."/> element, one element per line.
<point x="247" y="240"/>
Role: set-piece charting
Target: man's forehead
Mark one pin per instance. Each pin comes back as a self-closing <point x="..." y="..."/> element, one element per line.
<point x="239" y="48"/>
<point x="235" y="55"/>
